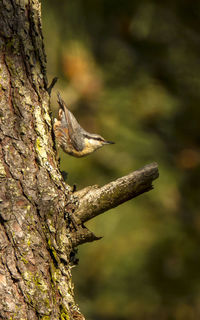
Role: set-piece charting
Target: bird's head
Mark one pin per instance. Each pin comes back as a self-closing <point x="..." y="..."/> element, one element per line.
<point x="95" y="141"/>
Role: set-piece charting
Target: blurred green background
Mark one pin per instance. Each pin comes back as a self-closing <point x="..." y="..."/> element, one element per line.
<point x="130" y="71"/>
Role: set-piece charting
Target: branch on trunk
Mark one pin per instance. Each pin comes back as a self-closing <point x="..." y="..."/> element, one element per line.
<point x="96" y="200"/>
<point x="82" y="235"/>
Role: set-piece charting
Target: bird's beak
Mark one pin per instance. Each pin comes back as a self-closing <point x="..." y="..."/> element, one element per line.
<point x="109" y="142"/>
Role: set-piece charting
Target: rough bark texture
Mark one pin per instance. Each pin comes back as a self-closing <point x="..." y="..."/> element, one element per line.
<point x="35" y="277"/>
<point x="38" y="227"/>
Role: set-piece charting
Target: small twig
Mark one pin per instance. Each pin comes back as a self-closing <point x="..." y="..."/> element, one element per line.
<point x="53" y="82"/>
<point x="100" y="199"/>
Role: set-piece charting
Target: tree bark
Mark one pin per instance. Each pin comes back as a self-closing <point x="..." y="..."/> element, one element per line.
<point x="35" y="277"/>
<point x="39" y="221"/>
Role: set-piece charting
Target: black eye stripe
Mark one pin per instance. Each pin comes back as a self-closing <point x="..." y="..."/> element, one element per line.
<point x="95" y="138"/>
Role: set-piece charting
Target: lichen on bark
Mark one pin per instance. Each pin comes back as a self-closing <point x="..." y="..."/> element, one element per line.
<point x="34" y="241"/>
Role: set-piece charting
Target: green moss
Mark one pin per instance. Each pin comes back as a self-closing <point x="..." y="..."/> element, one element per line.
<point x="53" y="250"/>
<point x="38" y="144"/>
<point x="28" y="298"/>
<point x="39" y="282"/>
<point x="40" y="148"/>
<point x="47" y="302"/>
<point x="55" y="273"/>
<point x="64" y="314"/>
<point x="24" y="260"/>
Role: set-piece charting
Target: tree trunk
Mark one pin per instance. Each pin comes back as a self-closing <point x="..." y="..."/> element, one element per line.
<point x="39" y="221"/>
<point x="35" y="277"/>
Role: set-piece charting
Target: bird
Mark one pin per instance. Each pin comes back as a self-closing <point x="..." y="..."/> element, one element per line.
<point x="71" y="137"/>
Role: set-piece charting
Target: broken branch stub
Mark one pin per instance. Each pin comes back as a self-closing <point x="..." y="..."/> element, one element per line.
<point x="97" y="200"/>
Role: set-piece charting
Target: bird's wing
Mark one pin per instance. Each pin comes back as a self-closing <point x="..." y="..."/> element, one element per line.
<point x="74" y="129"/>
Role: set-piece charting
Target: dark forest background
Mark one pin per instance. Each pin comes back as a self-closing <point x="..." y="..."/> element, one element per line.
<point x="130" y="71"/>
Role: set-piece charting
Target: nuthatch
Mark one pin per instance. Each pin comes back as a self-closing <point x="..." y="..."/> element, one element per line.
<point x="71" y="137"/>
